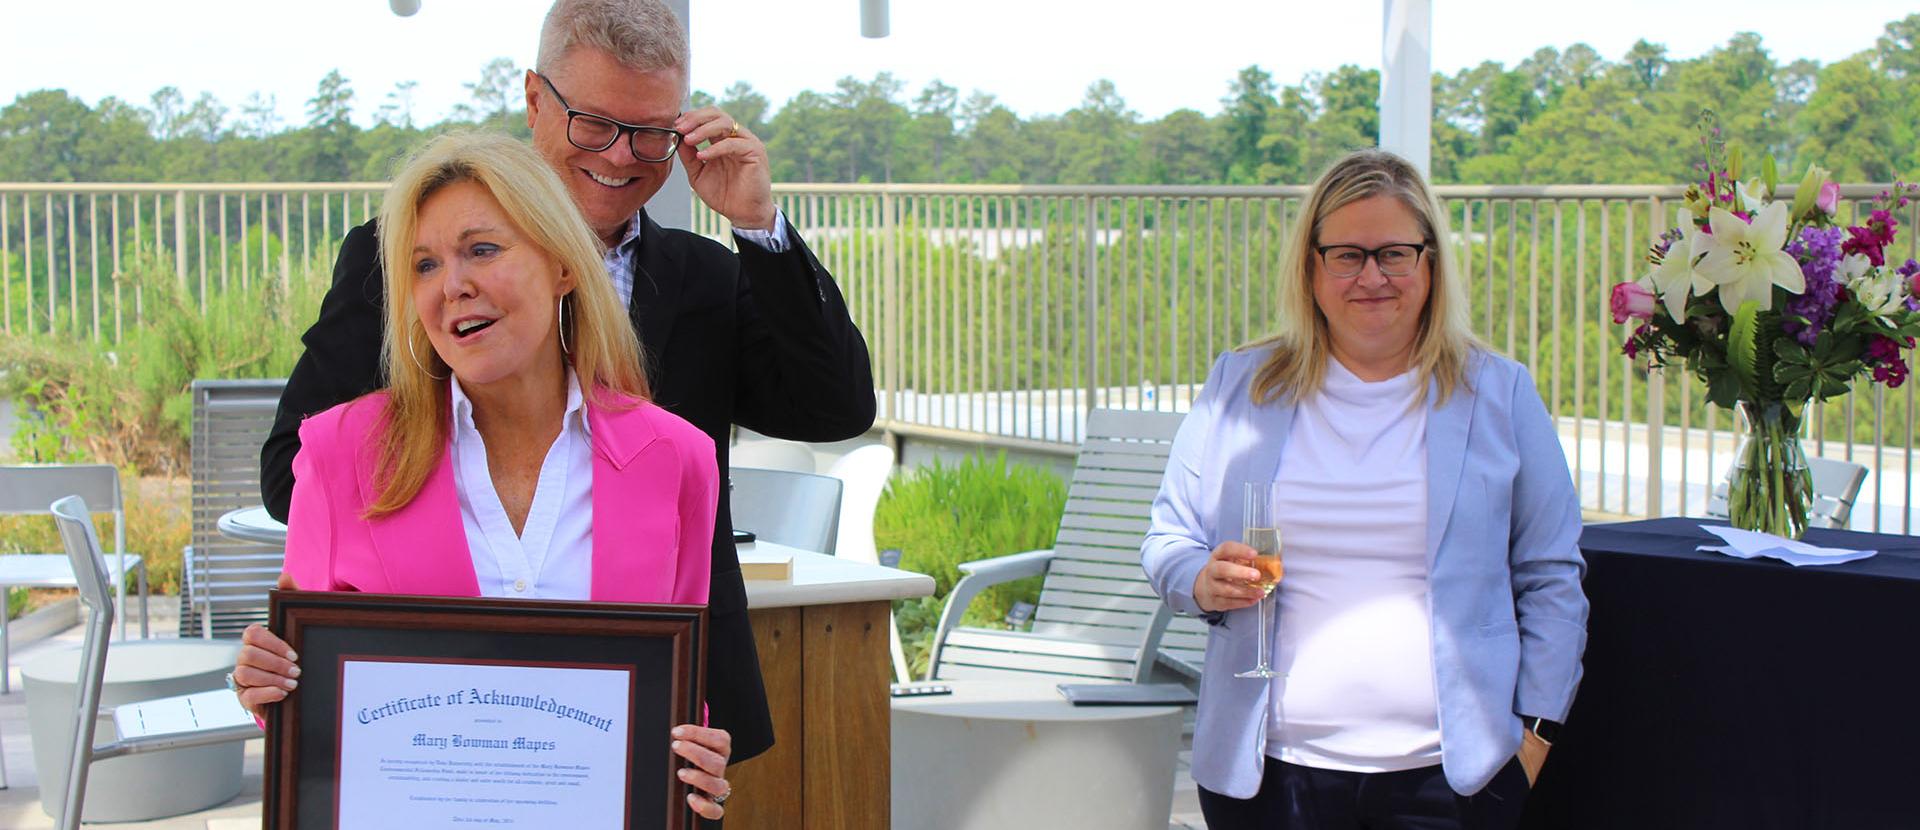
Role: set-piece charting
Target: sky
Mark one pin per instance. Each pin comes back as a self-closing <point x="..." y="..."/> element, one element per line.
<point x="1037" y="56"/>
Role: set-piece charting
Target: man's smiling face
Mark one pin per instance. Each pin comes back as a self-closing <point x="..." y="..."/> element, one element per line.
<point x="610" y="185"/>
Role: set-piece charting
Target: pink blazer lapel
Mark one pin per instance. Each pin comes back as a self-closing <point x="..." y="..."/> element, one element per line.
<point x="634" y="511"/>
<point x="423" y="546"/>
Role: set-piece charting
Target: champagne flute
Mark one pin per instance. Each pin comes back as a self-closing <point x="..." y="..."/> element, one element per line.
<point x="1262" y="533"/>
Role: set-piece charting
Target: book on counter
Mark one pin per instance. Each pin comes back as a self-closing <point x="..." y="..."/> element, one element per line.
<point x="758" y="564"/>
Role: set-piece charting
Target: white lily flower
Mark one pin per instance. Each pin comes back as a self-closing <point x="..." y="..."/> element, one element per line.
<point x="1673" y="280"/>
<point x="1745" y="261"/>
<point x="1878" y="290"/>
<point x="1751" y="194"/>
<point x="1851" y="268"/>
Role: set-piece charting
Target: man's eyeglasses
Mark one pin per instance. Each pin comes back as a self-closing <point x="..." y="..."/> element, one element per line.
<point x="594" y="133"/>
<point x="1347" y="261"/>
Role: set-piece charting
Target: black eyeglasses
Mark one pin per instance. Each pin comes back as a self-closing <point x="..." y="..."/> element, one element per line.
<point x="1347" y="261"/>
<point x="594" y="133"/>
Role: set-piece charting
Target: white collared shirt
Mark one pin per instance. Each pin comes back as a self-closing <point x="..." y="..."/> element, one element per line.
<point x="553" y="557"/>
<point x="619" y="258"/>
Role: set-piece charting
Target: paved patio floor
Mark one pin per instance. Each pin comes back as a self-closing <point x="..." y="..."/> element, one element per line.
<point x="20" y="801"/>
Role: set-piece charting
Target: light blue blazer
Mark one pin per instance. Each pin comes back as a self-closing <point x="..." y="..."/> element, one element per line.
<point x="1503" y="562"/>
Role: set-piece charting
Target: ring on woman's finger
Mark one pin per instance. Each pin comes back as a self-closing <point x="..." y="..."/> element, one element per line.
<point x="721" y="799"/>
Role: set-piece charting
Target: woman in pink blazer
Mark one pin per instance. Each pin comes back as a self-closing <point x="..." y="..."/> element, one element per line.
<point x="514" y="453"/>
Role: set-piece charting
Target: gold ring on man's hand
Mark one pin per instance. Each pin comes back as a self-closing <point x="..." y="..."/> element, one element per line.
<point x="734" y="131"/>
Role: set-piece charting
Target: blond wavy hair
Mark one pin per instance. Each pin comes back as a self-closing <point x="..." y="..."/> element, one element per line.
<point x="1301" y="344"/>
<point x="602" y="348"/>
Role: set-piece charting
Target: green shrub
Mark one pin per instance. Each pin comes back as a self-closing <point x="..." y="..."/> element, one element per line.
<point x="942" y="515"/>
<point x="132" y="405"/>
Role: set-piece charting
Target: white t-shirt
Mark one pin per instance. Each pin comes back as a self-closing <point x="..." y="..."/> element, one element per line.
<point x="1354" y="637"/>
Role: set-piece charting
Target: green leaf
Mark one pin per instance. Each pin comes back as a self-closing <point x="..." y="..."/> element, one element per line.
<point x="1799" y="390"/>
<point x="1741" y="353"/>
<point x="1723" y="390"/>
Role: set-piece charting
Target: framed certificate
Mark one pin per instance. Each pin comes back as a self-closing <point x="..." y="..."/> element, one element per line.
<point x="430" y="712"/>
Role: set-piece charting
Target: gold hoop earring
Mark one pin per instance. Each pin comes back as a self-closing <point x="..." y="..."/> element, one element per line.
<point x="416" y="360"/>
<point x="562" y="325"/>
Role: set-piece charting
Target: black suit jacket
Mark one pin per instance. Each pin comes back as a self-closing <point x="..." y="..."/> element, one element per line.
<point x="758" y="339"/>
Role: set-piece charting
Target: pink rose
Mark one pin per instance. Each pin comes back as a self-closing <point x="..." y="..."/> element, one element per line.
<point x="1631" y="300"/>
<point x="1829" y="199"/>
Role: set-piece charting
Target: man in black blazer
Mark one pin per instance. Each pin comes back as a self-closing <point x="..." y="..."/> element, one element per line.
<point x="761" y="339"/>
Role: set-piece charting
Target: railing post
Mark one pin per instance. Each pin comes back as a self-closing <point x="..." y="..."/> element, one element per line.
<point x="1656" y="402"/>
<point x="1657" y="441"/>
<point x="889" y="309"/>
<point x="179" y="237"/>
<point x="286" y="247"/>
<point x="1091" y="342"/>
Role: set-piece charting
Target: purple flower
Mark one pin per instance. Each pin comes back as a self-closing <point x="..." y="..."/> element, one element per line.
<point x="1818" y="252"/>
<point x="1883" y="354"/>
<point x="1872" y="239"/>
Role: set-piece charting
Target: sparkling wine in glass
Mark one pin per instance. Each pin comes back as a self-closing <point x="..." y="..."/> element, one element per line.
<point x="1260" y="532"/>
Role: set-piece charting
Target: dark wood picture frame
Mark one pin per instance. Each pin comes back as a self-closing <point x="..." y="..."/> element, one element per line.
<point x="664" y="646"/>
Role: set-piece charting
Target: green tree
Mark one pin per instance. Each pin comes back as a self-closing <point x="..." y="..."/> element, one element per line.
<point x="1840" y="126"/>
<point x="933" y="127"/>
<point x="327" y="151"/>
<point x="993" y="146"/>
<point x="1181" y="149"/>
<point x="41" y="131"/>
<point x="804" y="134"/>
<point x="1648" y="62"/>
<point x="747" y="106"/>
<point x="397" y="110"/>
<point x="1245" y="113"/>
<point x="1101" y="139"/>
<point x="493" y="96"/>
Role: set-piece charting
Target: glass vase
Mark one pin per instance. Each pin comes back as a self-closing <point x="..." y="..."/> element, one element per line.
<point x="1770" y="489"/>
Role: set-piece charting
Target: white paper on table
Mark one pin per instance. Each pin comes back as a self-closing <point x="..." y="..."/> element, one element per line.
<point x="443" y="744"/>
<point x="1747" y="544"/>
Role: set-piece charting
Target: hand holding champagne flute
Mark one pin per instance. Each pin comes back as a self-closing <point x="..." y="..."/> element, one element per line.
<point x="1262" y="533"/>
<point x="1265" y="542"/>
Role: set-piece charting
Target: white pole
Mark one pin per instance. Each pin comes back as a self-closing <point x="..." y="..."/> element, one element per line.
<point x="672" y="207"/>
<point x="874" y="18"/>
<point x="1406" y="81"/>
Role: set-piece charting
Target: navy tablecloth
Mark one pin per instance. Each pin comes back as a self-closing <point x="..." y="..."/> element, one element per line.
<point x="1749" y="694"/>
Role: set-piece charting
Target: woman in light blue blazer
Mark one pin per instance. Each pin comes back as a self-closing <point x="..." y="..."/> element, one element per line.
<point x="1429" y="623"/>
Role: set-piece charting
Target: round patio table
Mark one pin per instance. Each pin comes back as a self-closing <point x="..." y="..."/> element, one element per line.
<point x="997" y="754"/>
<point x="134" y="787"/>
<point x="253" y="524"/>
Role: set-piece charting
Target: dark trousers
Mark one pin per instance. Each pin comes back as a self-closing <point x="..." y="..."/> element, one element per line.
<point x="1303" y="798"/>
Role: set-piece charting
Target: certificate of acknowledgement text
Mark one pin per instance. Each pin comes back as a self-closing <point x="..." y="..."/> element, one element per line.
<point x="427" y="744"/>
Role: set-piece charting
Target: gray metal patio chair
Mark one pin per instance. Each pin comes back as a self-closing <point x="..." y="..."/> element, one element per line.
<point x="225" y="719"/>
<point x="1836" y="484"/>
<point x="27" y="489"/>
<point x="799" y="510"/>
<point x="226" y="581"/>
<point x="1098" y="618"/>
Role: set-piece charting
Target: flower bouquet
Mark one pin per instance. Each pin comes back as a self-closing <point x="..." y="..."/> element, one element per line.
<point x="1773" y="303"/>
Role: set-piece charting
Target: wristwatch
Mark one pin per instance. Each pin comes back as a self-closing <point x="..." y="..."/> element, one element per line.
<point x="1547" y="731"/>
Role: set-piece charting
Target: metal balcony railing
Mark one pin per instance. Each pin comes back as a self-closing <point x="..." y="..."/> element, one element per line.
<point x="1002" y="313"/>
